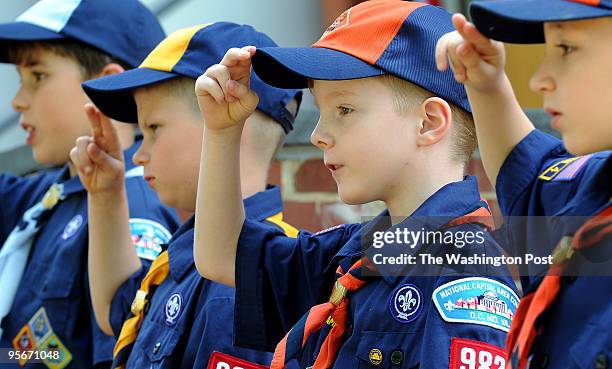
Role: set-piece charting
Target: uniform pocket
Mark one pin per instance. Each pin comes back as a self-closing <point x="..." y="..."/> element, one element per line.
<point x="387" y="350"/>
<point x="157" y="344"/>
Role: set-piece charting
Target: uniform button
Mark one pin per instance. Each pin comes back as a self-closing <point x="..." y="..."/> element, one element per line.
<point x="601" y="361"/>
<point x="397" y="357"/>
<point x="156" y="348"/>
<point x="349" y="330"/>
<point x="44" y="287"/>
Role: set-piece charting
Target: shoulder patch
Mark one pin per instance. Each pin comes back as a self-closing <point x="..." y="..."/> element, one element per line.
<point x="476" y="300"/>
<point x="339" y="226"/>
<point x="147" y="237"/>
<point x="564" y="170"/>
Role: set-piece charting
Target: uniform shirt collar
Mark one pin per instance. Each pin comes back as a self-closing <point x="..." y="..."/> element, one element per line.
<point x="258" y="207"/>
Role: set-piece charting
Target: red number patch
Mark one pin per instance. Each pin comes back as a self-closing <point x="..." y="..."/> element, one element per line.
<point x="219" y="360"/>
<point x="470" y="354"/>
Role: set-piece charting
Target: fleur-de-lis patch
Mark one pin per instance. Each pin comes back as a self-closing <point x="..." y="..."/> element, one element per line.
<point x="406" y="303"/>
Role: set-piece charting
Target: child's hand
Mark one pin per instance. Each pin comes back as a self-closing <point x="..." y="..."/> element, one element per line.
<point x="223" y="91"/>
<point x="99" y="158"/>
<point x="476" y="61"/>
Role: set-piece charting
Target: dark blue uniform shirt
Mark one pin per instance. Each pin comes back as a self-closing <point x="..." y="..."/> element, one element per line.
<point x="55" y="282"/>
<point x="186" y="336"/>
<point x="278" y="279"/>
<point x="540" y="178"/>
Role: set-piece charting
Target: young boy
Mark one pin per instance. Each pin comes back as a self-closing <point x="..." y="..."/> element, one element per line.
<point x="564" y="318"/>
<point x="391" y="129"/>
<point x="44" y="288"/>
<point x="177" y="318"/>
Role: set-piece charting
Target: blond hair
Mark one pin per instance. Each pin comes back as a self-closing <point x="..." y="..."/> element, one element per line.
<point x="406" y="96"/>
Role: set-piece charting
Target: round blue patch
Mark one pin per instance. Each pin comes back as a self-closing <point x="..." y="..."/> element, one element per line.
<point x="406" y="303"/>
<point x="173" y="309"/>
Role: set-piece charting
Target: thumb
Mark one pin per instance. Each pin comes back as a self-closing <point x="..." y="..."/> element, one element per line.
<point x="245" y="97"/>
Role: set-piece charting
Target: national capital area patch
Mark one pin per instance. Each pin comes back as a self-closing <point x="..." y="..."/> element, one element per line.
<point x="219" y="360"/>
<point x="565" y="170"/>
<point x="148" y="237"/>
<point x="476" y="300"/>
<point x="466" y="354"/>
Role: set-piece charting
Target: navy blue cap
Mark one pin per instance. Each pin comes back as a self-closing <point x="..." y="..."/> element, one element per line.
<point x="123" y="29"/>
<point x="189" y="52"/>
<point x="373" y="38"/>
<point x="522" y="21"/>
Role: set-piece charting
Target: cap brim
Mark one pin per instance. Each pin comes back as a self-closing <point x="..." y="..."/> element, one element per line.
<point x="521" y="21"/>
<point x="22" y="31"/>
<point x="113" y="94"/>
<point x="293" y="67"/>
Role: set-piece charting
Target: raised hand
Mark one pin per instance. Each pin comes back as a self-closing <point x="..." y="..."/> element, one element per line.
<point x="476" y="61"/>
<point x="223" y="91"/>
<point x="99" y="158"/>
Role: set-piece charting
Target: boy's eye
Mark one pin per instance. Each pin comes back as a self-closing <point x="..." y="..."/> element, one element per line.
<point x="343" y="110"/>
<point x="39" y="76"/>
<point x="566" y="49"/>
<point x="153" y="127"/>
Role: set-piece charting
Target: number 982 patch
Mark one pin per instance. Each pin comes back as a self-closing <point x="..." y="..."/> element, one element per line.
<point x="147" y="237"/>
<point x="469" y="354"/>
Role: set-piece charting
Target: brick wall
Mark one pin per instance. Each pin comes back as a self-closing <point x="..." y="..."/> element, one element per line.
<point x="311" y="199"/>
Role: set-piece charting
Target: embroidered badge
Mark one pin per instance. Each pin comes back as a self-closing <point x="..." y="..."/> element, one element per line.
<point x="56" y="355"/>
<point x="466" y="353"/>
<point x="38" y="335"/>
<point x="173" y="309"/>
<point x="406" y="303"/>
<point x="341" y="21"/>
<point x="219" y="360"/>
<point x="476" y="300"/>
<point x="24" y="341"/>
<point x="147" y="237"/>
<point x="72" y="227"/>
<point x="565" y="170"/>
<point x="40" y="326"/>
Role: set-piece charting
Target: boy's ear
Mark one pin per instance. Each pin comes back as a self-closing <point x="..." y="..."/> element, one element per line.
<point x="111" y="68"/>
<point x="436" y="120"/>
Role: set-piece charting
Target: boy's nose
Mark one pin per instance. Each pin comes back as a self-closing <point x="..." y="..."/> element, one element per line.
<point x="320" y="138"/>
<point x="541" y="81"/>
<point x="19" y="103"/>
<point x="141" y="156"/>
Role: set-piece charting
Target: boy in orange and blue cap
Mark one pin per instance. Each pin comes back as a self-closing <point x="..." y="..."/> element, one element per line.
<point x="45" y="311"/>
<point x="564" y="319"/>
<point x="391" y="129"/>
<point x="169" y="316"/>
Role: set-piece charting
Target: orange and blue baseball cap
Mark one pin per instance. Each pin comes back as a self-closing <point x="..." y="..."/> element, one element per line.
<point x="124" y="29"/>
<point x="522" y="21"/>
<point x="189" y="52"/>
<point x="373" y="38"/>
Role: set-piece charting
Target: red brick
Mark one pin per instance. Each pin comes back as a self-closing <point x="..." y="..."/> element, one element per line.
<point x="475" y="168"/>
<point x="302" y="215"/>
<point x="274" y="175"/>
<point x="313" y="176"/>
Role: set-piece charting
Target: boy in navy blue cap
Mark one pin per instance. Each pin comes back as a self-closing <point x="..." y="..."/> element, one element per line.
<point x="170" y="316"/>
<point x="564" y="318"/>
<point x="391" y="129"/>
<point x="44" y="288"/>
